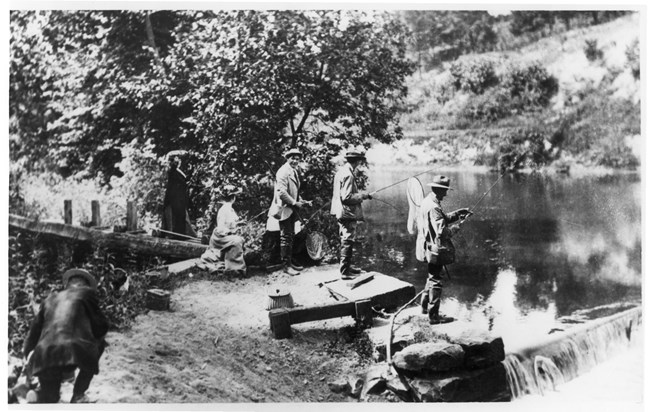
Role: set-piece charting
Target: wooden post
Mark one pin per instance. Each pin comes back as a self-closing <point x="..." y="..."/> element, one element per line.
<point x="96" y="218"/>
<point x="67" y="212"/>
<point x="131" y="215"/>
<point x="280" y="323"/>
<point x="363" y="312"/>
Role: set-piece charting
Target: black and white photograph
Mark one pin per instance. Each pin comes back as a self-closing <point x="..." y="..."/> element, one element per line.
<point x="253" y="205"/>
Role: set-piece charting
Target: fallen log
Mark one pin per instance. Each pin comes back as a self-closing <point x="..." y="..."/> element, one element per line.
<point x="142" y="244"/>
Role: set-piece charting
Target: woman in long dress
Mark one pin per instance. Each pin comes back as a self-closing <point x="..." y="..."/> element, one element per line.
<point x="225" y="244"/>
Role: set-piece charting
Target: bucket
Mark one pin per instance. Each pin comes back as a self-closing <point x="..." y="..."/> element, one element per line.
<point x="279" y="299"/>
<point x="157" y="299"/>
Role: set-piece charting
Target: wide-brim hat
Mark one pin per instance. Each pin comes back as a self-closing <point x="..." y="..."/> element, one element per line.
<point x="231" y="190"/>
<point x="441" y="182"/>
<point x="92" y="281"/>
<point x="292" y="152"/>
<point x="354" y="154"/>
<point x="176" y="153"/>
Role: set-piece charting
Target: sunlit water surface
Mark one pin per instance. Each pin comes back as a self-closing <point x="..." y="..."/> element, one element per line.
<point x="537" y="248"/>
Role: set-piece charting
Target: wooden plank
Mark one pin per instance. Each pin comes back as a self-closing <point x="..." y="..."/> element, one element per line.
<point x="318" y="312"/>
<point x="280" y="323"/>
<point x="363" y="312"/>
<point x="67" y="211"/>
<point x="120" y="241"/>
<point x="183" y="267"/>
<point x="360" y="280"/>
<point x="131" y="215"/>
<point x="96" y="218"/>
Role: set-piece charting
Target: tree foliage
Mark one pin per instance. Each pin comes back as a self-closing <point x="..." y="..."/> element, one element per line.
<point x="439" y="35"/>
<point x="234" y="88"/>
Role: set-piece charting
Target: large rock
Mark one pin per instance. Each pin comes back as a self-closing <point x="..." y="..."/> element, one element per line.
<point x="395" y="384"/>
<point x="341" y="385"/>
<point x="481" y="349"/>
<point x="430" y="356"/>
<point x="481" y="385"/>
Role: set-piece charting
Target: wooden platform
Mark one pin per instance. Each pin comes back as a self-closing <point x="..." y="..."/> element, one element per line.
<point x="354" y="298"/>
<point x="382" y="290"/>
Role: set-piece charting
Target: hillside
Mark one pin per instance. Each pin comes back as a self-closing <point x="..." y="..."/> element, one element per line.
<point x="593" y="118"/>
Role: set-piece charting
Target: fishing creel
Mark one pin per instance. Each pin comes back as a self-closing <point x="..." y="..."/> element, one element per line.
<point x="279" y="299"/>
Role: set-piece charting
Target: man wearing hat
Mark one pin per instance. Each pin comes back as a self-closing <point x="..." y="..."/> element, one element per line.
<point x="286" y="206"/>
<point x="225" y="243"/>
<point x="67" y="333"/>
<point x="434" y="243"/>
<point x="346" y="206"/>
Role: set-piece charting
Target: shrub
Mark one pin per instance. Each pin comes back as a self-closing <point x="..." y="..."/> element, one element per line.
<point x="35" y="268"/>
<point x="443" y="90"/>
<point x="489" y="107"/>
<point x="520" y="148"/>
<point x="632" y="59"/>
<point x="474" y="76"/>
<point x="531" y="84"/>
<point x="592" y="52"/>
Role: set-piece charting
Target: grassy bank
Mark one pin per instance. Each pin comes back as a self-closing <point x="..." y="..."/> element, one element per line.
<point x="573" y="97"/>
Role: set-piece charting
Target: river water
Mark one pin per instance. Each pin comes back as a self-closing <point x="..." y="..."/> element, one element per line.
<point x="538" y="248"/>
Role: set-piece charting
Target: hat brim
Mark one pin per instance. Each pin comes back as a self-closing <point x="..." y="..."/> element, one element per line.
<point x="355" y="157"/>
<point x="293" y="153"/>
<point x="439" y="186"/>
<point x="234" y="193"/>
<point x="92" y="282"/>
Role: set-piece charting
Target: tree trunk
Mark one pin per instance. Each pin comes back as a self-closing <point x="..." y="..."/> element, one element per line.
<point x="118" y="241"/>
<point x="152" y="40"/>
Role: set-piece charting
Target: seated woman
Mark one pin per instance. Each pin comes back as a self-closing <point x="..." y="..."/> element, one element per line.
<point x="225" y="244"/>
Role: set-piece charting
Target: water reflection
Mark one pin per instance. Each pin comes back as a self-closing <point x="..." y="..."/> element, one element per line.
<point x="537" y="248"/>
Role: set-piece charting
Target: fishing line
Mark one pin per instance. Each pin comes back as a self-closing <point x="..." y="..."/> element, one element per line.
<point x="389" y="204"/>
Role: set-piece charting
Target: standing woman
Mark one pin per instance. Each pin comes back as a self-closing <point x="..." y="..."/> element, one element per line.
<point x="225" y="243"/>
<point x="175" y="216"/>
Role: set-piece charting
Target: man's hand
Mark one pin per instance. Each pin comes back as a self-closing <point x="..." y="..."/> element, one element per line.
<point x="463" y="213"/>
<point x="366" y="196"/>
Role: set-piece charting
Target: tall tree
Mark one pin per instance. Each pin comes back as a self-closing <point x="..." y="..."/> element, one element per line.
<point x="235" y="88"/>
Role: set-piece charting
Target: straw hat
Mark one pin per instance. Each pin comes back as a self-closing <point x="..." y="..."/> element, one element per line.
<point x="92" y="281"/>
<point x="292" y="152"/>
<point x="440" y="181"/>
<point x="231" y="190"/>
<point x="354" y="154"/>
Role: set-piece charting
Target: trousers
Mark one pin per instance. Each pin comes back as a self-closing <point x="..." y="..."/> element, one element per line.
<point x="430" y="301"/>
<point x="287" y="233"/>
<point x="347" y="232"/>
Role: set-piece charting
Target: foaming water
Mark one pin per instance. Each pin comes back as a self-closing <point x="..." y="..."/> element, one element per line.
<point x="538" y="369"/>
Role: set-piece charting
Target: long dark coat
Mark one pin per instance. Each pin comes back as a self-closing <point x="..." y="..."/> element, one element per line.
<point x="69" y="329"/>
<point x="176" y="202"/>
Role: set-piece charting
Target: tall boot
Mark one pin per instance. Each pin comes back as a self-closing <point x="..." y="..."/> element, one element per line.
<point x="285" y="255"/>
<point x="435" y="294"/>
<point x="424" y="302"/>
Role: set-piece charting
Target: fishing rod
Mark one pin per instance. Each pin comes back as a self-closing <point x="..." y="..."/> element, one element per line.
<point x="401" y="181"/>
<point x="177" y="234"/>
<point x="471" y="209"/>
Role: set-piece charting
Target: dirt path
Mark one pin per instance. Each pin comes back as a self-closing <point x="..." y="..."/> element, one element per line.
<point x="215" y="346"/>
